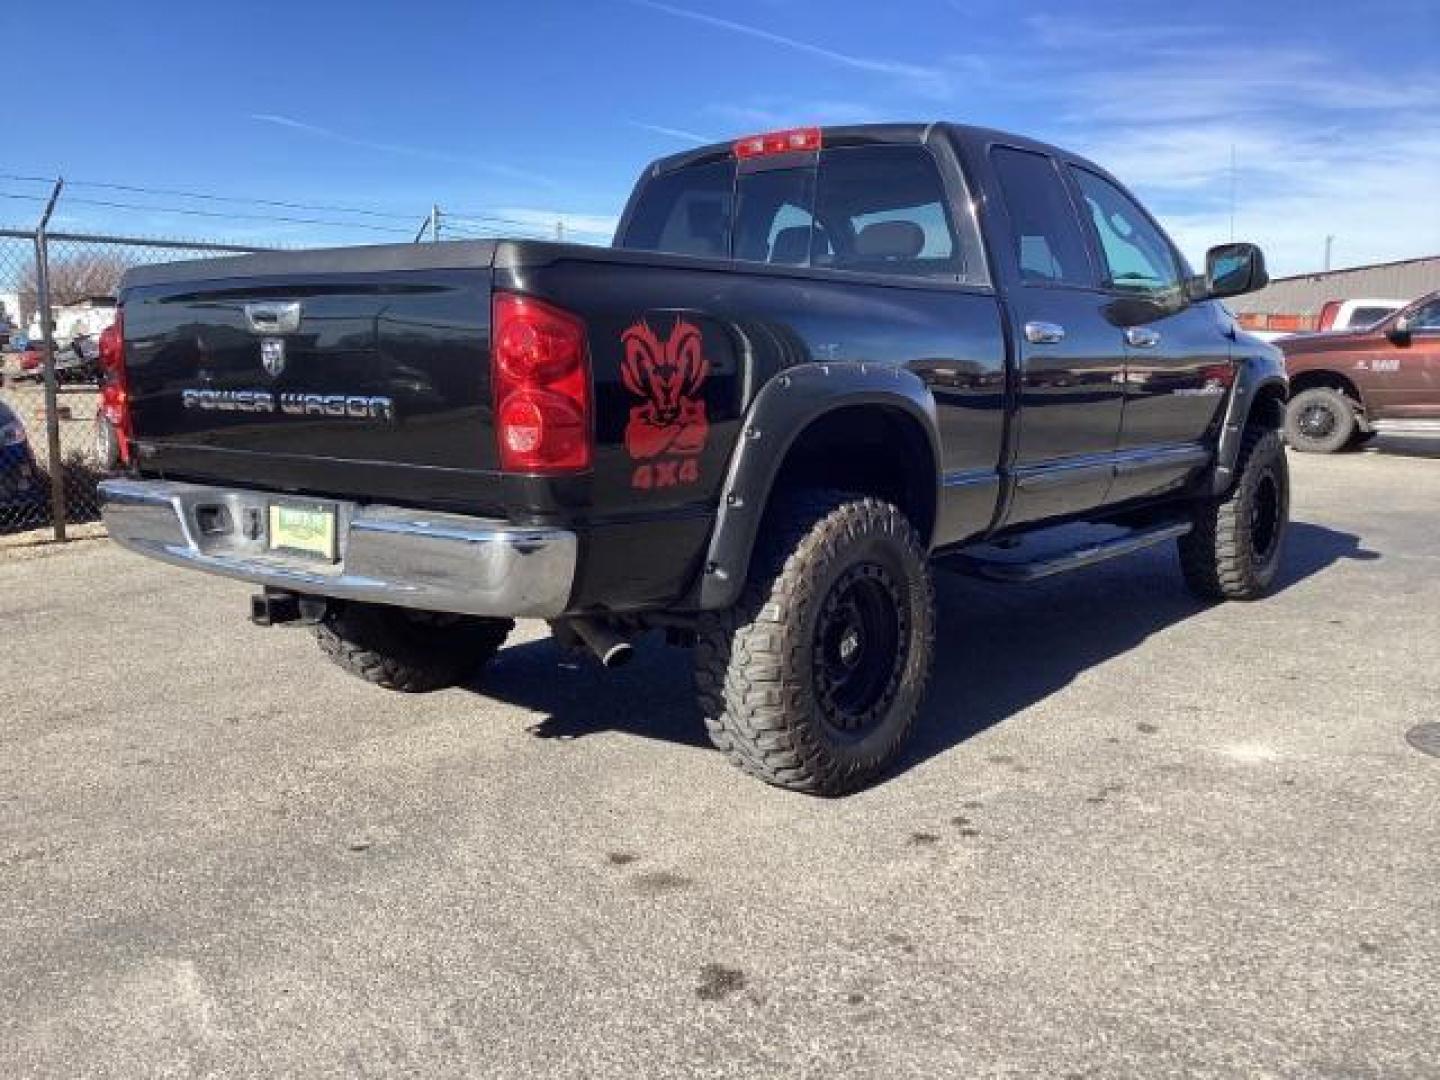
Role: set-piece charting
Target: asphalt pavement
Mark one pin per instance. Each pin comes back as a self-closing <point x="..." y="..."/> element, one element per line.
<point x="1137" y="836"/>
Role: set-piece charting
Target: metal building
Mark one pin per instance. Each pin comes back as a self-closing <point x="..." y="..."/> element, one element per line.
<point x="1301" y="297"/>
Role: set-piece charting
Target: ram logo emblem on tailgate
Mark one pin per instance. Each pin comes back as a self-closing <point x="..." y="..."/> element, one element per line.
<point x="272" y="354"/>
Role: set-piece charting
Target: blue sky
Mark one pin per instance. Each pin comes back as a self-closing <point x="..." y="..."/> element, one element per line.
<point x="545" y="109"/>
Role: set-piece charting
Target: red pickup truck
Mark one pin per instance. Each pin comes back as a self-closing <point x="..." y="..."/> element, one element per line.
<point x="1342" y="385"/>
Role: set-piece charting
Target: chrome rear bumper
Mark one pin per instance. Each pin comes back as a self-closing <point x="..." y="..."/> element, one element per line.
<point x="386" y="554"/>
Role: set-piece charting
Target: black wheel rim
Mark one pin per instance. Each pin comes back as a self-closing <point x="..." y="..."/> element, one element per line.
<point x="1318" y="420"/>
<point x="1266" y="514"/>
<point x="861" y="645"/>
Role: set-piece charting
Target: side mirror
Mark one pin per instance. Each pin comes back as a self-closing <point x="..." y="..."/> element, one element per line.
<point x="1233" y="269"/>
<point x="1399" y="331"/>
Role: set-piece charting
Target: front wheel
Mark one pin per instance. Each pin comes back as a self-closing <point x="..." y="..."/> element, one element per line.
<point x="1233" y="551"/>
<point x="1320" y="421"/>
<point x="813" y="679"/>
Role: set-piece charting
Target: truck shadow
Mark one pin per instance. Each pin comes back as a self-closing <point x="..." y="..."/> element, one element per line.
<point x="1388" y="445"/>
<point x="999" y="650"/>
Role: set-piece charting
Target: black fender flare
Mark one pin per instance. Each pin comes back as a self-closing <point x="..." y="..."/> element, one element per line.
<point x="1255" y="376"/>
<point x="781" y="411"/>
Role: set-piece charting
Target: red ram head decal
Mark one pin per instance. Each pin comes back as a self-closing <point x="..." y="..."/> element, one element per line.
<point x="668" y="376"/>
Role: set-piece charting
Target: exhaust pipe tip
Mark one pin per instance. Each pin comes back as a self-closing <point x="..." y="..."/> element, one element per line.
<point x="618" y="655"/>
<point x="610" y="648"/>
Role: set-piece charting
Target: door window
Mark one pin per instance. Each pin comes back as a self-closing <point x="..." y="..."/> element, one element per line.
<point x="1049" y="247"/>
<point x="1137" y="256"/>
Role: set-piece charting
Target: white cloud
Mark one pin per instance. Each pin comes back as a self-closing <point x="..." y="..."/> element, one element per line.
<point x="1319" y="148"/>
<point x="924" y="80"/>
<point x="329" y="134"/>
<point x="771" y="113"/>
<point x="672" y="132"/>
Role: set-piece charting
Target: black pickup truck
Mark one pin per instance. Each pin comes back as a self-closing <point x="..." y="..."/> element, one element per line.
<point x="813" y="363"/>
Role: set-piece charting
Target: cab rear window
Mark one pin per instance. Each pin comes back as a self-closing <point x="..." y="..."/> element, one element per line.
<point x="869" y="209"/>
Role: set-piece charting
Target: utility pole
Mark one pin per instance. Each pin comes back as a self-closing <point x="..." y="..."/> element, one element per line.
<point x="434" y="223"/>
<point x="1329" y="245"/>
<point x="559" y="230"/>
<point x="52" y="395"/>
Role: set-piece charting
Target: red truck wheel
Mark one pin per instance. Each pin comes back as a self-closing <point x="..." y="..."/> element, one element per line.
<point x="1320" y="421"/>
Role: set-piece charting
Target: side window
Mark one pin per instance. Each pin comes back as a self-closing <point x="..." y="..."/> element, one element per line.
<point x="1426" y="318"/>
<point x="1138" y="258"/>
<point x="774" y="216"/>
<point x="882" y="209"/>
<point x="1368" y="316"/>
<point x="686" y="212"/>
<point x="1049" y="246"/>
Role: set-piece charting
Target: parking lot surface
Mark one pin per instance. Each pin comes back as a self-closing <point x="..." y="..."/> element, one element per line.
<point x="1137" y="836"/>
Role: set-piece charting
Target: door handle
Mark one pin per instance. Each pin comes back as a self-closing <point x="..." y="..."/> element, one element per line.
<point x="1044" y="333"/>
<point x="1142" y="337"/>
<point x="273" y="318"/>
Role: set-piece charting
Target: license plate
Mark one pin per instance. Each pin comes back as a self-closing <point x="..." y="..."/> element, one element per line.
<point x="306" y="529"/>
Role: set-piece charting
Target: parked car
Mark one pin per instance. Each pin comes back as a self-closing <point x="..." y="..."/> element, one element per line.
<point x="1355" y="314"/>
<point x="814" y="361"/>
<point x="1343" y="385"/>
<point x="31" y="362"/>
<point x="76" y="361"/>
<point x="23" y="490"/>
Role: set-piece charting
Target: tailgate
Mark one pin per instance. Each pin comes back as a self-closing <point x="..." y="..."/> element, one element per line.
<point x="359" y="372"/>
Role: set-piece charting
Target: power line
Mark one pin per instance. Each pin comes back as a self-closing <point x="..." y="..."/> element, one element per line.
<point x="487" y="232"/>
<point x="477" y="224"/>
<point x="457" y="215"/>
<point x="137" y="189"/>
<point x="230" y="216"/>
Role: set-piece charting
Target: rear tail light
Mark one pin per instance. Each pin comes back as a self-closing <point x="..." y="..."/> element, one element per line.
<point x="541" y="376"/>
<point x="1221" y="375"/>
<point x="116" y="396"/>
<point x="790" y="141"/>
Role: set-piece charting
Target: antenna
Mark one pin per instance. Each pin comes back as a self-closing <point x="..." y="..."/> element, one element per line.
<point x="1232" y="192"/>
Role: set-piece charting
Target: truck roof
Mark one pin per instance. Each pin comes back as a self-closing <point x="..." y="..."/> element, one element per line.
<point x="869" y="134"/>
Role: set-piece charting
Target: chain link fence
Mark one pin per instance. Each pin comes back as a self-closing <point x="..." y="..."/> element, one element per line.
<point x="56" y="440"/>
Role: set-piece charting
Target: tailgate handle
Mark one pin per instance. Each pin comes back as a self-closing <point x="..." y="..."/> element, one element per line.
<point x="280" y="318"/>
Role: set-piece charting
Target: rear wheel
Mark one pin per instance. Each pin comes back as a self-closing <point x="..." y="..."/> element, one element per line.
<point x="1320" y="421"/>
<point x="1233" y="551"/>
<point x="410" y="651"/>
<point x="813" y="679"/>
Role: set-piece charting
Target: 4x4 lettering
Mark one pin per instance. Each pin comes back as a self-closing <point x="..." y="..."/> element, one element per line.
<point x="672" y="472"/>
